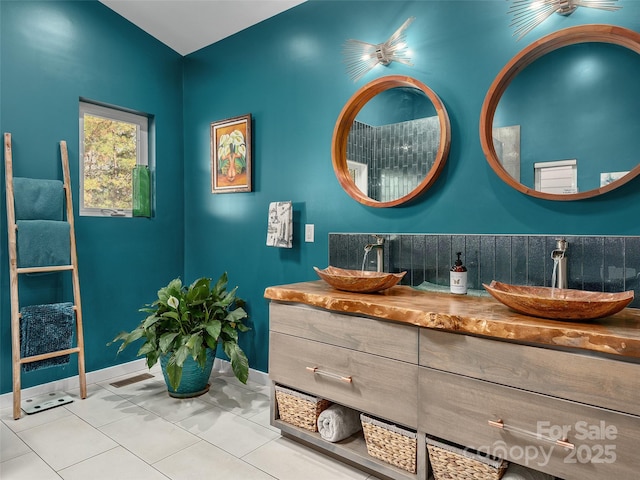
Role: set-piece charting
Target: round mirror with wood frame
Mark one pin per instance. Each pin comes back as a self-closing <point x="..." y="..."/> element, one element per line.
<point x="346" y="121"/>
<point x="570" y="36"/>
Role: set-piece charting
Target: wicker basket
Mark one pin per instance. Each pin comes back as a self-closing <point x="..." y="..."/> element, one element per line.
<point x="299" y="409"/>
<point x="390" y="443"/>
<point x="451" y="462"/>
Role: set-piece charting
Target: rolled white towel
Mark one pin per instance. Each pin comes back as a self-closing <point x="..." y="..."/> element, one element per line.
<point x="338" y="422"/>
<point x="518" y="472"/>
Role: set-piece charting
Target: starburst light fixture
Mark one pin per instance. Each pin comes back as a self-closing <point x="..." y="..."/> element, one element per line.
<point x="361" y="57"/>
<point x="528" y="14"/>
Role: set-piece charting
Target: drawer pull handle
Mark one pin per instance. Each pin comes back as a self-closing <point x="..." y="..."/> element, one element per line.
<point x="316" y="370"/>
<point x="497" y="424"/>
<point x="501" y="425"/>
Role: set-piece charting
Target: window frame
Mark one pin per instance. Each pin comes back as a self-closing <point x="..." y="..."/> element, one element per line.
<point x="142" y="149"/>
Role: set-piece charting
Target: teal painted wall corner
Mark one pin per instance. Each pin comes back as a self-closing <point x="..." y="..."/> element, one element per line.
<point x="52" y="53"/>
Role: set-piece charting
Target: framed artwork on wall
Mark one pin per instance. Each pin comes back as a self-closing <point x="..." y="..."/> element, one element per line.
<point x="231" y="155"/>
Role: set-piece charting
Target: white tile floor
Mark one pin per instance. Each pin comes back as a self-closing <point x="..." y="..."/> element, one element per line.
<point x="138" y="432"/>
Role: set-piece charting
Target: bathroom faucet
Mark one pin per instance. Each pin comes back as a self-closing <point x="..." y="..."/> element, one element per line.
<point x="379" y="246"/>
<point x="559" y="256"/>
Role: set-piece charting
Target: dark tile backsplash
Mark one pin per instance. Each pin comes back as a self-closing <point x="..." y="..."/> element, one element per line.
<point x="402" y="153"/>
<point x="603" y="264"/>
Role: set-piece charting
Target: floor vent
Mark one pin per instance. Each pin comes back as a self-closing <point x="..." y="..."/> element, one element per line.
<point x="130" y="380"/>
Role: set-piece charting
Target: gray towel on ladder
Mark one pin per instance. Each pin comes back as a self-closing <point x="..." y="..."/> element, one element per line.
<point x="45" y="329"/>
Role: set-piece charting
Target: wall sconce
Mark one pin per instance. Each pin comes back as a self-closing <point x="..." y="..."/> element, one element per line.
<point x="528" y="14"/>
<point x="361" y="57"/>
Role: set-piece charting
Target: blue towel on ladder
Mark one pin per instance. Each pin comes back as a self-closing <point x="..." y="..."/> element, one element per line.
<point x="37" y="199"/>
<point x="43" y="243"/>
<point x="45" y="329"/>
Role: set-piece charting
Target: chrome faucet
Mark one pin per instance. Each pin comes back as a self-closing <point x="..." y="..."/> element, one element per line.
<point x="559" y="257"/>
<point x="379" y="246"/>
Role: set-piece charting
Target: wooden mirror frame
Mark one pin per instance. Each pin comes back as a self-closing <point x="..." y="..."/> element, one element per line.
<point x="345" y="122"/>
<point x="562" y="38"/>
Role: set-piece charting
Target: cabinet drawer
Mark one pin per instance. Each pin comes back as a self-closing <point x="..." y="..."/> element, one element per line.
<point x="388" y="339"/>
<point x="380" y="386"/>
<point x="459" y="409"/>
<point x="593" y="380"/>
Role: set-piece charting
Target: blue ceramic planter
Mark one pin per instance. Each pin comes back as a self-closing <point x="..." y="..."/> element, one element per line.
<point x="195" y="380"/>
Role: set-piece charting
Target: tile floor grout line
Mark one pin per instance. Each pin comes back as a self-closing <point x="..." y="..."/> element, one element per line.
<point x="31" y="450"/>
<point x="138" y="457"/>
<point x="259" y="447"/>
<point x="200" y="440"/>
<point x="38" y="425"/>
<point x="148" y="412"/>
<point x="85" y="459"/>
<point x="251" y="409"/>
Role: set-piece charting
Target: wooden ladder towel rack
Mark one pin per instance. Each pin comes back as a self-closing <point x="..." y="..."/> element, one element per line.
<point x="15" y="271"/>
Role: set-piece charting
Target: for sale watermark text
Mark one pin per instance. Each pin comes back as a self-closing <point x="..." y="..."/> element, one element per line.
<point x="581" y="442"/>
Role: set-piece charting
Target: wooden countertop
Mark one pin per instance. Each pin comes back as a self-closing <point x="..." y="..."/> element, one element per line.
<point x="617" y="335"/>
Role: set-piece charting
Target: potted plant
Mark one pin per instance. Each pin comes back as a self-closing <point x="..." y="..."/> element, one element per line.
<point x="183" y="328"/>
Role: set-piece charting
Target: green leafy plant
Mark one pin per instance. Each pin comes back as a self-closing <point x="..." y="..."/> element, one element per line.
<point x="185" y="321"/>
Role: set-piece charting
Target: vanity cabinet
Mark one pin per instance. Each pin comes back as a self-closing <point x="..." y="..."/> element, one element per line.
<point x="558" y="397"/>
<point x="362" y="363"/>
<point x="572" y="415"/>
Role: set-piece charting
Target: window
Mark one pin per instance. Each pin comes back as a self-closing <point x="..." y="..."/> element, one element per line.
<point x="112" y="143"/>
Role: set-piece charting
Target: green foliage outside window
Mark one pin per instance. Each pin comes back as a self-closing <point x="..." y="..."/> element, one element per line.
<point x="110" y="149"/>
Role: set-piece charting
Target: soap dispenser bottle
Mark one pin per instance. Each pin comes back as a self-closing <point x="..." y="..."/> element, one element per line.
<point x="458" y="277"/>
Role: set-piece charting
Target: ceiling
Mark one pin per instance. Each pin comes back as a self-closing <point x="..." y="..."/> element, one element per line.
<point x="189" y="25"/>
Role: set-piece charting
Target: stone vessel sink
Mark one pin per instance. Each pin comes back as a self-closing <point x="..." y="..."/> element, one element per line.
<point x="558" y="303"/>
<point x="358" y="280"/>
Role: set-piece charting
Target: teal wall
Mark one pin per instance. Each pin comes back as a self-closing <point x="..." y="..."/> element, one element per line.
<point x="52" y="53"/>
<point x="288" y="73"/>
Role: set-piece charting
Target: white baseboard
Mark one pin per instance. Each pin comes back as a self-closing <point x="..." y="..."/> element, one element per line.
<point x="259" y="377"/>
<point x="70" y="383"/>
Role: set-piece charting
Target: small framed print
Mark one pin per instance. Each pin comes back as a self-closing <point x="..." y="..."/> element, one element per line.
<point x="231" y="155"/>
